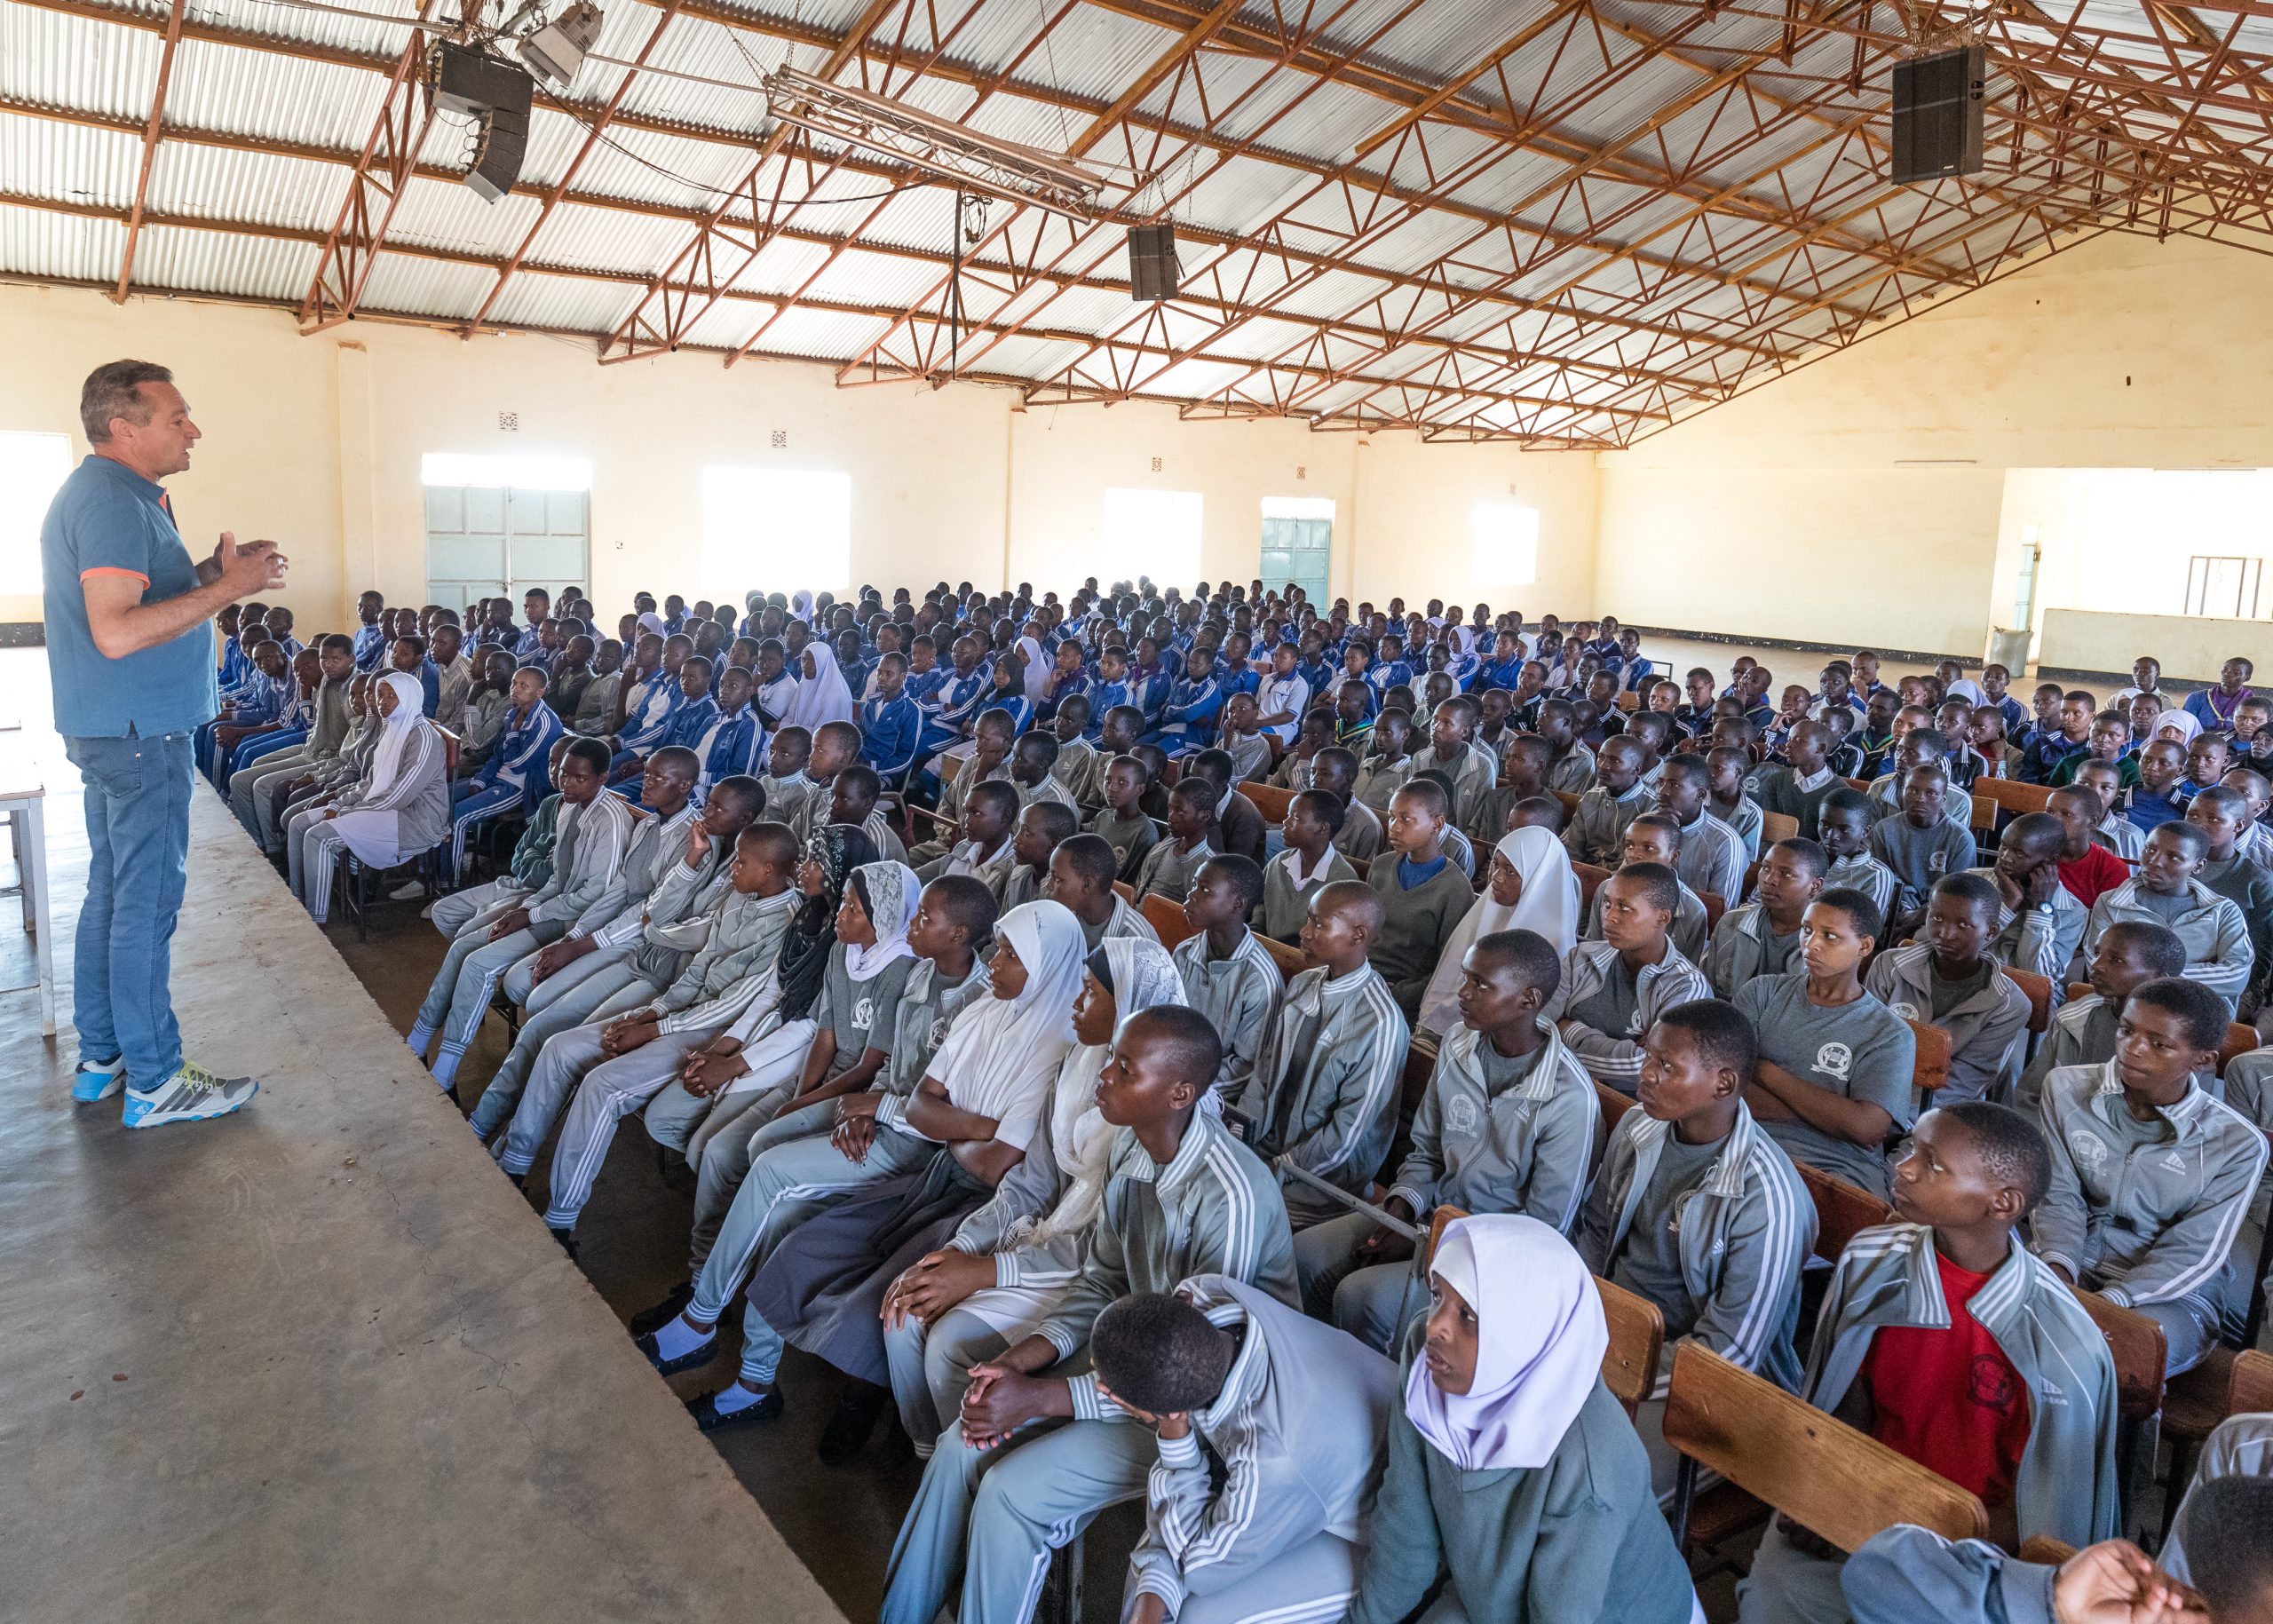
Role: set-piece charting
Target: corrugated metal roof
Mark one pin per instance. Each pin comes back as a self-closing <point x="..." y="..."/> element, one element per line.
<point x="1679" y="209"/>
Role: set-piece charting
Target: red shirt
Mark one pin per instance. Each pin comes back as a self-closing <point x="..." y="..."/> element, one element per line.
<point x="2094" y="875"/>
<point x="1951" y="1400"/>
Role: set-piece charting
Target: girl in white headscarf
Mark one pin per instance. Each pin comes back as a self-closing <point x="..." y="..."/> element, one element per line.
<point x="1011" y="1260"/>
<point x="821" y="695"/>
<point x="801" y="606"/>
<point x="1513" y="1474"/>
<point x="1531" y="887"/>
<point x="401" y="808"/>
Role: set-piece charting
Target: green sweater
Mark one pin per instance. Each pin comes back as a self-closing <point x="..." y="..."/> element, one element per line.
<point x="1577" y="1540"/>
<point x="1417" y="925"/>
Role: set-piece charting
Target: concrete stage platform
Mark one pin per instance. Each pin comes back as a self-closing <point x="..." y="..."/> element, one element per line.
<point x="319" y="1362"/>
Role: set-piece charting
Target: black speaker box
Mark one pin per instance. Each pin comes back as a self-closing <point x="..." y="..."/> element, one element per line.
<point x="497" y="157"/>
<point x="1939" y="102"/>
<point x="1151" y="263"/>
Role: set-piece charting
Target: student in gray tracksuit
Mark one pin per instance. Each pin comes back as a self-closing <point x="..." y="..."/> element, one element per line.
<point x="1988" y="1024"/>
<point x="2241" y="1446"/>
<point x="2066" y="1486"/>
<point x="2144" y="1209"/>
<point x="1906" y="1574"/>
<point x="635" y="956"/>
<point x="1597" y="831"/>
<point x="2168" y="892"/>
<point x="595" y="830"/>
<point x="2249" y="1091"/>
<point x="733" y="970"/>
<point x="2083" y="1029"/>
<point x="1261" y="1489"/>
<point x="1762" y="937"/>
<point x="2042" y="931"/>
<point x="1491" y="1135"/>
<point x="1210" y="1208"/>
<point x="1325" y="1089"/>
<point x="1228" y="974"/>
<point x="1605" y="1003"/>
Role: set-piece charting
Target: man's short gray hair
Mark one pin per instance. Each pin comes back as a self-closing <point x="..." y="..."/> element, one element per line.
<point x="112" y="390"/>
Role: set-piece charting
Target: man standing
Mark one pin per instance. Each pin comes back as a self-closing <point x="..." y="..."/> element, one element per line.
<point x="130" y="653"/>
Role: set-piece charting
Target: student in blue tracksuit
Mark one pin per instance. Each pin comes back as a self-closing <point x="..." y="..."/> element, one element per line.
<point x="1007" y="692"/>
<point x="731" y="745"/>
<point x="1152" y="679"/>
<point x="516" y="773"/>
<point x="696" y="710"/>
<point x="955" y="702"/>
<point x="371" y="638"/>
<point x="1188" y="719"/>
<point x="889" y="723"/>
<point x="647" y="714"/>
<point x="1112" y="689"/>
<point x="1392" y="670"/>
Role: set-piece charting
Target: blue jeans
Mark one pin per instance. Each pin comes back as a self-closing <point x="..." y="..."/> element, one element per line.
<point x="137" y="867"/>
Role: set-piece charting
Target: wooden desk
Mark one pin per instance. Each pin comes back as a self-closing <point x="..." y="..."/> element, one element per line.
<point x="23" y="801"/>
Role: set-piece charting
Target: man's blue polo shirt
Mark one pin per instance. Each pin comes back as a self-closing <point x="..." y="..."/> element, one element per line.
<point x="108" y="519"/>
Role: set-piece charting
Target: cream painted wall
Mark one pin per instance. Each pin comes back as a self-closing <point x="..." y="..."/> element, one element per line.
<point x="316" y="442"/>
<point x="2118" y="353"/>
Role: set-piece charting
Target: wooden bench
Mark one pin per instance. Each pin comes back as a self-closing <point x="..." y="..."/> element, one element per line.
<point x="1715" y="905"/>
<point x="2137" y="1345"/>
<point x="1268" y="799"/>
<point x="2038" y="989"/>
<point x="1590" y="878"/>
<point x="2011" y="796"/>
<point x="1984" y="820"/>
<point x="1839" y="1483"/>
<point x="1167" y="919"/>
<point x="1842" y="1211"/>
<point x="1931" y="1066"/>
<point x="1128" y="891"/>
<point x="1778" y="826"/>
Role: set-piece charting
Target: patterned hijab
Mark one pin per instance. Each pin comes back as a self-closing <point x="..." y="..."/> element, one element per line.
<point x="838" y="848"/>
<point x="889" y="892"/>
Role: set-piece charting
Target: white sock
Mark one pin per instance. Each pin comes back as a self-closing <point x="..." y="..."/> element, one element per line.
<point x="734" y="1398"/>
<point x="679" y="1337"/>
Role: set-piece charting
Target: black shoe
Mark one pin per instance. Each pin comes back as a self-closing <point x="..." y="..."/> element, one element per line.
<point x="649" y="1320"/>
<point x="705" y="1411"/>
<point x="567" y="1240"/>
<point x="695" y="1358"/>
<point x="847" y="1432"/>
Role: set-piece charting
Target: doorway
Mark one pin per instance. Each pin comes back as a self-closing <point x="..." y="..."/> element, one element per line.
<point x="1297" y="545"/>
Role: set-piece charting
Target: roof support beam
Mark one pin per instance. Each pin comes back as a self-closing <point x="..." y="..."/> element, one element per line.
<point x="149" y="150"/>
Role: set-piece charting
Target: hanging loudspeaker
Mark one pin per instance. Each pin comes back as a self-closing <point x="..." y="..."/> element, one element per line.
<point x="1151" y="263"/>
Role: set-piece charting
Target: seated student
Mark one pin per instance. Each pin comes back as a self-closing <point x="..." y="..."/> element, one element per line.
<point x="2061" y="729"/>
<point x="1514" y="1480"/>
<point x="1041" y="828"/>
<point x="2088" y="870"/>
<point x="733" y="742"/>
<point x="513" y="777"/>
<point x="1079" y="762"/>
<point x="2128" y="955"/>
<point x="2168" y="891"/>
<point x="1529" y="886"/>
<point x="1835" y="1073"/>
<point x="1762" y="937"/>
<point x="1572" y="770"/>
<point x="2209" y="759"/>
<point x="1844" y="827"/>
<point x="1845" y="757"/>
<point x="2257" y="839"/>
<point x="1987" y="737"/>
<point x="1509" y="1125"/>
<point x="1323" y="1094"/>
<point x="2214" y="707"/>
<point x="1353" y="715"/>
<point x="988" y="763"/>
<point x="1362" y="833"/>
<point x="398" y="808"/>
<point x="984" y="1092"/>
<point x="612" y="1066"/>
<point x="1244" y="740"/>
<point x="593" y="833"/>
<point x="987" y="849"/>
<point x="2223" y="815"/>
<point x="836" y="746"/>
<point x="1081" y="871"/>
<point x="1121" y="822"/>
<point x="2113" y="830"/>
<point x="1598" y="829"/>
<point x="853" y="800"/>
<point x="1797" y="787"/>
<point x="1523" y="775"/>
<point x="891" y="723"/>
<point x="1032" y="761"/>
<point x="777" y="1073"/>
<point x="1697" y="1210"/>
<point x="1951" y="979"/>
<point x="1423" y="895"/>
<point x="1453" y="750"/>
<point x="2150" y="1230"/>
<point x="1238" y="822"/>
<point x="1712" y="854"/>
<point x="1019" y="1491"/>
<point x="1725" y="767"/>
<point x="1307" y="859"/>
<point x="1654" y="838"/>
<point x="2252" y="736"/>
<point x="1313" y="733"/>
<point x="1918" y="747"/>
<point x="1249" y="1514"/>
<point x="784" y="781"/>
<point x="2155" y="799"/>
<point x="1169" y="866"/>
<point x="1614" y="989"/>
<point x="2040" y="924"/>
<point x="1006" y="1265"/>
<point x="1188" y="719"/>
<point x="1229" y="975"/>
<point x="1900" y="1354"/>
<point x="1385" y="770"/>
<point x="1922" y="845"/>
<point x="2108" y="742"/>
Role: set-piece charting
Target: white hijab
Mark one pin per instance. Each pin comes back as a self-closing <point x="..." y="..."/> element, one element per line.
<point x="893" y="890"/>
<point x="1036" y="675"/>
<point x="652" y="622"/>
<point x="396" y="732"/>
<point x="801" y="606"/>
<point x="1540" y="1338"/>
<point x="1015" y="1044"/>
<point x="1548" y="906"/>
<point x="821" y="695"/>
<point x="1144" y="977"/>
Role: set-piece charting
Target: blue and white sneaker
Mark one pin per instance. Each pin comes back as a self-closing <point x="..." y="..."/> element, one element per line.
<point x="96" y="1079"/>
<point x="190" y="1094"/>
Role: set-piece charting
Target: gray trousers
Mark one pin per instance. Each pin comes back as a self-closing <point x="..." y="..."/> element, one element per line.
<point x="297" y="824"/>
<point x="722" y="1135"/>
<point x="611" y="1090"/>
<point x="2190" y="1327"/>
<point x="787" y="1184"/>
<point x="249" y="792"/>
<point x="931" y="1370"/>
<point x="548" y="1008"/>
<point x="1313" y="1583"/>
<point x="1373" y="1304"/>
<point x="463" y="1005"/>
<point x="1017" y="1505"/>
<point x="1787" y="1586"/>
<point x="530" y="1095"/>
